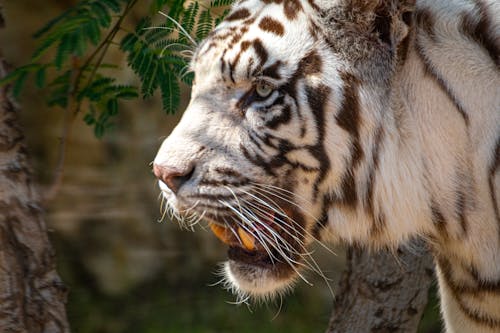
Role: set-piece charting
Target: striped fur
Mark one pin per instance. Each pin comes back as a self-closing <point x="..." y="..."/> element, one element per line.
<point x="382" y="124"/>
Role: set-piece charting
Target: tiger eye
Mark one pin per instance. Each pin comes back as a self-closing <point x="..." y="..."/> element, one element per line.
<point x="263" y="89"/>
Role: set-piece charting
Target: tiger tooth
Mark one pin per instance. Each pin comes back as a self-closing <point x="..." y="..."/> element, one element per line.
<point x="247" y="239"/>
<point x="221" y="233"/>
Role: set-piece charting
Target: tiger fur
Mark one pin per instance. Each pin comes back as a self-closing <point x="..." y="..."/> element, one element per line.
<point x="355" y="121"/>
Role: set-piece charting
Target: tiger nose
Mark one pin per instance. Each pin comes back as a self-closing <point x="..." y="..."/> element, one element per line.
<point x="173" y="177"/>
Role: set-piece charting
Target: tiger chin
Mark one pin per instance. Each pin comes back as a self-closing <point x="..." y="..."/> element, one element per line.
<point x="366" y="122"/>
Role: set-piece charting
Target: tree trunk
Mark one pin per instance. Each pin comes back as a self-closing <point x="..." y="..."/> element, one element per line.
<point x="382" y="292"/>
<point x="32" y="296"/>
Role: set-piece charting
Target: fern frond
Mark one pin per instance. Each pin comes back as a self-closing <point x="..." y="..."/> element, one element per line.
<point x="142" y="26"/>
<point x="92" y="32"/>
<point x="205" y="25"/>
<point x="220" y="3"/>
<point x="182" y="32"/>
<point x="157" y="33"/>
<point x="170" y="91"/>
<point x="41" y="77"/>
<point x="150" y="82"/>
<point x="189" y="17"/>
<point x="60" y="88"/>
<point x="64" y="49"/>
<point x="19" y="83"/>
<point x="101" y="13"/>
<point x="114" y="5"/>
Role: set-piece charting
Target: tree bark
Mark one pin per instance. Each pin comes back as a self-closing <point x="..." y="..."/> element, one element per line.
<point x="32" y="296"/>
<point x="382" y="292"/>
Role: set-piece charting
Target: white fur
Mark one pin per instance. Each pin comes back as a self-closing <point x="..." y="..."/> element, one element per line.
<point x="426" y="141"/>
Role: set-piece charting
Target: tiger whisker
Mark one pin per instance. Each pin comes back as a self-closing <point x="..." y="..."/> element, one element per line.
<point x="306" y="255"/>
<point x="280" y="211"/>
<point x="278" y="248"/>
<point x="297" y="224"/>
<point x="310" y="261"/>
<point x="244" y="227"/>
<point x="181" y="29"/>
<point x="262" y="214"/>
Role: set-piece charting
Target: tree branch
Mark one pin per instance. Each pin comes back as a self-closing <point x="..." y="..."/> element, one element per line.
<point x="32" y="296"/>
<point x="383" y="292"/>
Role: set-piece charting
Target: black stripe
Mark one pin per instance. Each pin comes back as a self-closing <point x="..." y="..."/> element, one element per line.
<point x="370" y="186"/>
<point x="283" y="118"/>
<point x="459" y="291"/>
<point x="425" y="21"/>
<point x="348" y="116"/>
<point x="228" y="172"/>
<point x="317" y="97"/>
<point x="481" y="32"/>
<point x="348" y="119"/>
<point x="224" y="182"/>
<point x="495" y="163"/>
<point x="272" y="71"/>
<point x="460" y="210"/>
<point x="438" y="219"/>
<point x="254" y="137"/>
<point x="261" y="52"/>
<point x="378" y="226"/>
<point x="431" y="72"/>
<point x="322" y="222"/>
<point x="240" y="14"/>
<point x="257" y="160"/>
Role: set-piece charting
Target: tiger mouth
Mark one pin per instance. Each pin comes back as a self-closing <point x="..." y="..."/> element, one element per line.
<point x="272" y="243"/>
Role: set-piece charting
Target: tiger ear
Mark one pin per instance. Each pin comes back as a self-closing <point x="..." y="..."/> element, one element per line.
<point x="390" y="19"/>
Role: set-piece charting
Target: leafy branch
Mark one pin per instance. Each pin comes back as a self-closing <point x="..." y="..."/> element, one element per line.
<point x="68" y="63"/>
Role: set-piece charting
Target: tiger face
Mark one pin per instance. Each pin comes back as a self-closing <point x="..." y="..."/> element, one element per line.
<point x="266" y="134"/>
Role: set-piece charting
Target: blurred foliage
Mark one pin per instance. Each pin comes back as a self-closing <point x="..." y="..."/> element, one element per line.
<point x="194" y="307"/>
<point x="79" y="40"/>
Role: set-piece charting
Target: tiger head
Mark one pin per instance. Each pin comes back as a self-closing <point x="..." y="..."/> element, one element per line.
<point x="273" y="130"/>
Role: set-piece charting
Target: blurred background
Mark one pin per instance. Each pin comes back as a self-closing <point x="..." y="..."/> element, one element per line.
<point x="125" y="270"/>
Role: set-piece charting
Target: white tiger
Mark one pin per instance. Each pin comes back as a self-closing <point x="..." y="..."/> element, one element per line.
<point x="366" y="122"/>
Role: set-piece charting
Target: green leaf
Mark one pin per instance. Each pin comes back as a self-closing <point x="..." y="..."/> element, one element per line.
<point x="156" y="34"/>
<point x="170" y="91"/>
<point x="92" y="32"/>
<point x="18" y="84"/>
<point x="79" y="44"/>
<point x="102" y="14"/>
<point x="114" y="5"/>
<point x="189" y="17"/>
<point x="40" y="77"/>
<point x="142" y="26"/>
<point x="176" y="8"/>
<point x="89" y="119"/>
<point x="150" y="83"/>
<point x="205" y="25"/>
<point x="126" y="92"/>
<point x="99" y="129"/>
<point x="66" y="46"/>
<point x="112" y="107"/>
<point x="221" y="3"/>
<point x="129" y="42"/>
<point x="44" y="45"/>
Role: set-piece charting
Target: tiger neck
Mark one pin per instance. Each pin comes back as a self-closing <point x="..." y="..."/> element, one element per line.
<point x="383" y="198"/>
